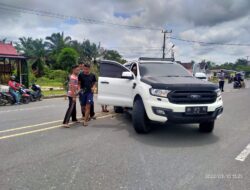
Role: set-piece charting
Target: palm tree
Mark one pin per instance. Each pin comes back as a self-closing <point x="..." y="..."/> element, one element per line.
<point x="40" y="53"/>
<point x="36" y="51"/>
<point x="56" y="42"/>
<point x="25" y="46"/>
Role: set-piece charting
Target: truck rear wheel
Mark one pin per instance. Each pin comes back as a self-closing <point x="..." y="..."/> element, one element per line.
<point x="140" y="119"/>
<point x="206" y="127"/>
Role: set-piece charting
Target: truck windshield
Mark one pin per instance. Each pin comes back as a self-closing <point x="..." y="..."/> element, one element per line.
<point x="163" y="70"/>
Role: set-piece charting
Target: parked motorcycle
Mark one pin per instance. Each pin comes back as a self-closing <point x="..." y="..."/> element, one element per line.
<point x="7" y="98"/>
<point x="239" y="84"/>
<point x="25" y="98"/>
<point x="3" y="101"/>
<point x="37" y="92"/>
<point x="239" y="81"/>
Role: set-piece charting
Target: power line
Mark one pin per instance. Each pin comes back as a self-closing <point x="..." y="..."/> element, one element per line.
<point x="12" y="8"/>
<point x="207" y="43"/>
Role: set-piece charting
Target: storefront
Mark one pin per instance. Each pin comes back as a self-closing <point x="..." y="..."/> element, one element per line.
<point x="12" y="63"/>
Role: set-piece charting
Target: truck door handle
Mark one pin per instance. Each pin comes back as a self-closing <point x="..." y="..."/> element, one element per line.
<point x="104" y="82"/>
<point x="134" y="85"/>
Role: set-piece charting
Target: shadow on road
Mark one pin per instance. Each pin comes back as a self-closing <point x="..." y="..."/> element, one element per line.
<point x="170" y="135"/>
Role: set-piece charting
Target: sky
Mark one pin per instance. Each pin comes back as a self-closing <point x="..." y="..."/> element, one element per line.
<point x="109" y="21"/>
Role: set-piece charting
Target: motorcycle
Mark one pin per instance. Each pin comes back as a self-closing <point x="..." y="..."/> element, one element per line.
<point x="238" y="81"/>
<point x="3" y="101"/>
<point x="25" y="98"/>
<point x="7" y="98"/>
<point x="36" y="92"/>
<point x="239" y="84"/>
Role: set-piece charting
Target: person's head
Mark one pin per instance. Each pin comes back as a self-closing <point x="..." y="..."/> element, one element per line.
<point x="86" y="69"/>
<point x="221" y="70"/>
<point x="75" y="69"/>
<point x="134" y="69"/>
<point x="13" y="78"/>
<point x="81" y="65"/>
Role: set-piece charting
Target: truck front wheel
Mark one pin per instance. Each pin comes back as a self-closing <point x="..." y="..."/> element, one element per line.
<point x="140" y="119"/>
<point x="206" y="127"/>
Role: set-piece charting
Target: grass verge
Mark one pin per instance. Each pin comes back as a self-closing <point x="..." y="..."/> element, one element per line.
<point x="54" y="92"/>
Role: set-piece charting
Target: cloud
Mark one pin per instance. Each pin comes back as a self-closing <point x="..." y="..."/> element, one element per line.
<point x="225" y="21"/>
<point x="212" y="12"/>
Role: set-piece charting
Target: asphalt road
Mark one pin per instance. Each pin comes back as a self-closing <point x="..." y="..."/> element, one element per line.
<point x="108" y="154"/>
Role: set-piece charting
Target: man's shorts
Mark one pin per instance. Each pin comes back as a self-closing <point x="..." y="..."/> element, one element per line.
<point x="86" y="98"/>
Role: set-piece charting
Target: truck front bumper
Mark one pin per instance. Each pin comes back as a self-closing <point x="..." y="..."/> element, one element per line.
<point x="180" y="117"/>
<point x="163" y="111"/>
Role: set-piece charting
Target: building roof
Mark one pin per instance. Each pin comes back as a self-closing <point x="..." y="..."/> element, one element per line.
<point x="9" y="51"/>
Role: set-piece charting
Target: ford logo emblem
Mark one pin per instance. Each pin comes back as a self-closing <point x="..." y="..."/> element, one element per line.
<point x="195" y="96"/>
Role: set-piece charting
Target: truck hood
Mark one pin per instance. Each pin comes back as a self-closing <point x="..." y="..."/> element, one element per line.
<point x="179" y="83"/>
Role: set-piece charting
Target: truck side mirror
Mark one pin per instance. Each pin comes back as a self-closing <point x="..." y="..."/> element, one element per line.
<point x="127" y="75"/>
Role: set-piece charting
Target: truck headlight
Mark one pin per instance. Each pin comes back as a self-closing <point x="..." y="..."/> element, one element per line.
<point x="159" y="92"/>
<point x="218" y="92"/>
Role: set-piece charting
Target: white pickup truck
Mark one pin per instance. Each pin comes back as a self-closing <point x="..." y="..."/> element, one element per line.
<point x="159" y="90"/>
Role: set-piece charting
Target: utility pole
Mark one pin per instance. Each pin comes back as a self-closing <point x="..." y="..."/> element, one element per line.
<point x="164" y="41"/>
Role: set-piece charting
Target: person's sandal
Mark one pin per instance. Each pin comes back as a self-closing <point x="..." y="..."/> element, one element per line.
<point x="66" y="126"/>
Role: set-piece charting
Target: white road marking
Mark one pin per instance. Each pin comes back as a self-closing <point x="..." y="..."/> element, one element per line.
<point x="105" y="116"/>
<point x="27" y="109"/>
<point x="243" y="155"/>
<point x="39" y="130"/>
<point x="30" y="126"/>
<point x="30" y="132"/>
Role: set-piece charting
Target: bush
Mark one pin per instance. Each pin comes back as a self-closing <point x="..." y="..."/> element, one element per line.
<point x="43" y="81"/>
<point x="57" y="75"/>
<point x="67" y="58"/>
<point x="32" y="78"/>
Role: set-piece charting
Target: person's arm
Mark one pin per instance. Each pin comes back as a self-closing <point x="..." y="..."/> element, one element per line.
<point x="18" y="85"/>
<point x="93" y="84"/>
<point x="79" y="81"/>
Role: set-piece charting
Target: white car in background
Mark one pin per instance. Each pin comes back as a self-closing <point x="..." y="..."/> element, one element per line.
<point x="201" y="76"/>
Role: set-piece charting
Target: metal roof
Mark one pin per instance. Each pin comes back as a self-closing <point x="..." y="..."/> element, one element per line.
<point x="9" y="51"/>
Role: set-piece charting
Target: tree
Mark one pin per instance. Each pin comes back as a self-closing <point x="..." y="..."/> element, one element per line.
<point x="39" y="53"/>
<point x="113" y="55"/>
<point x="4" y="40"/>
<point x="67" y="58"/>
<point x="55" y="43"/>
<point x="241" y="62"/>
<point x="25" y="46"/>
<point x="36" y="52"/>
<point x="87" y="50"/>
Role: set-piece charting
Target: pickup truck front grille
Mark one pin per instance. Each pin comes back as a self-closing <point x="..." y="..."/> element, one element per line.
<point x="192" y="97"/>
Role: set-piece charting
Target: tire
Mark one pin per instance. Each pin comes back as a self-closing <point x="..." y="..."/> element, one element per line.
<point x="3" y="102"/>
<point x="25" y="100"/>
<point x="140" y="119"/>
<point x="206" y="127"/>
<point x="32" y="99"/>
<point x="40" y="98"/>
<point x="118" y="109"/>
